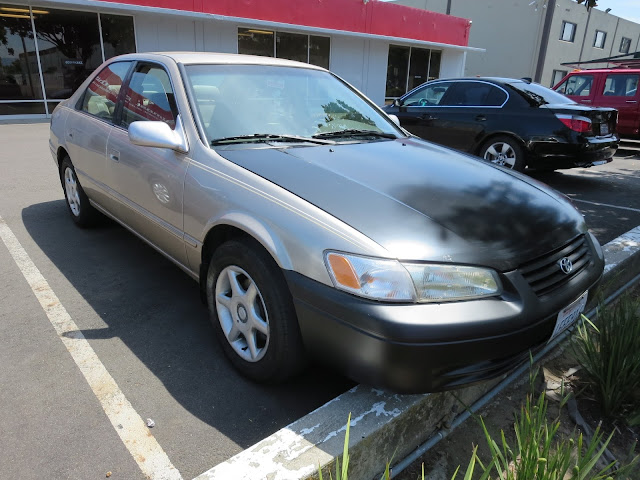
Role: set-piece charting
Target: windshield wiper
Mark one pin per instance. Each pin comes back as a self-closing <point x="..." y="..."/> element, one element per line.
<point x="353" y="132"/>
<point x="268" y="137"/>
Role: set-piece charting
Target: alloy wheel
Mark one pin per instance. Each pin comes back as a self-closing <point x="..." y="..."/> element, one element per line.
<point x="71" y="189"/>
<point x="501" y="153"/>
<point x="242" y="313"/>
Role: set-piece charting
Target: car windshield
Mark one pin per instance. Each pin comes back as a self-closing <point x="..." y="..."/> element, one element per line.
<point x="538" y="95"/>
<point x="257" y="103"/>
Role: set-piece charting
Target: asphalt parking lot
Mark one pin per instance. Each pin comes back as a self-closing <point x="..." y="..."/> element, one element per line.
<point x="143" y="319"/>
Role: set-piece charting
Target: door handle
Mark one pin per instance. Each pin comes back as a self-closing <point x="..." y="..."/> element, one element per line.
<point x="426" y="116"/>
<point x="481" y="118"/>
<point x="585" y="101"/>
<point x="631" y="101"/>
<point x="115" y="156"/>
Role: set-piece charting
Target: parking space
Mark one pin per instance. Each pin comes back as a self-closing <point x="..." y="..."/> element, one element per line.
<point x="607" y="195"/>
<point x="143" y="318"/>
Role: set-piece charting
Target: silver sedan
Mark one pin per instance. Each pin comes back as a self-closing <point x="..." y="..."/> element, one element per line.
<point x="317" y="227"/>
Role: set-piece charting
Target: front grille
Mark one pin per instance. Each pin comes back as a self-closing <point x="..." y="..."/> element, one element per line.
<point x="544" y="274"/>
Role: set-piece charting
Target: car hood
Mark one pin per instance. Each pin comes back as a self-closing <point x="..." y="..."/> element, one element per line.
<point x="421" y="201"/>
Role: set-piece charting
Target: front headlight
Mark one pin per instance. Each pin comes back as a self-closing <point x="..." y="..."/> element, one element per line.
<point x="375" y="278"/>
<point x="440" y="283"/>
<point x="390" y="280"/>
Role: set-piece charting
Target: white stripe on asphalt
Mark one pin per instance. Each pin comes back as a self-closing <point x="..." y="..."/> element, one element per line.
<point x="133" y="432"/>
<point x="606" y="205"/>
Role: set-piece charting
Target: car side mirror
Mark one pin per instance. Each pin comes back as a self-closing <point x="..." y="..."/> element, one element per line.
<point x="397" y="102"/>
<point x="395" y="119"/>
<point x="159" y="135"/>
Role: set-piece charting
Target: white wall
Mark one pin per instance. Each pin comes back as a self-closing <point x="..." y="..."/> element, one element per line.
<point x="156" y="33"/>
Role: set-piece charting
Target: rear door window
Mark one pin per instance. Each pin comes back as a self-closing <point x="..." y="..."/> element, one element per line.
<point x="621" y="85"/>
<point x="476" y="94"/>
<point x="149" y="97"/>
<point x="102" y="93"/>
<point x="577" y="85"/>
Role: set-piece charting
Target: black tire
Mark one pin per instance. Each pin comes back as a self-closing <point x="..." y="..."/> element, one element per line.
<point x="505" y="151"/>
<point x="279" y="354"/>
<point x="81" y="211"/>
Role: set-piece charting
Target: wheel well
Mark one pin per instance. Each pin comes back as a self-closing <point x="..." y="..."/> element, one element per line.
<point x="216" y="237"/>
<point x="60" y="154"/>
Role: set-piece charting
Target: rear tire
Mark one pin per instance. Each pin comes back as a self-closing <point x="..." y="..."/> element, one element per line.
<point x="252" y="312"/>
<point x="81" y="210"/>
<point x="504" y="151"/>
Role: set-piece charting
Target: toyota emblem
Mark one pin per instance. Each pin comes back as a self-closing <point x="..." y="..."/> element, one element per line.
<point x="565" y="265"/>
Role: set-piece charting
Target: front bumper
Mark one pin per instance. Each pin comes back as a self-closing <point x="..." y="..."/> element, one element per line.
<point x="411" y="348"/>
<point x="552" y="153"/>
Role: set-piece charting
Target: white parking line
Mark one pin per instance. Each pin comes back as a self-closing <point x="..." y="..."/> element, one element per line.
<point x="606" y="205"/>
<point x="133" y="432"/>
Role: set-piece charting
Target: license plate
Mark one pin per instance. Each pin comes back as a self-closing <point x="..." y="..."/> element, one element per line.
<point x="599" y="162"/>
<point x="604" y="129"/>
<point x="569" y="314"/>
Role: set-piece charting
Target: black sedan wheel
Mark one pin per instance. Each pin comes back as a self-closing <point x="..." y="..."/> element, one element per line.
<point x="504" y="151"/>
<point x="252" y="312"/>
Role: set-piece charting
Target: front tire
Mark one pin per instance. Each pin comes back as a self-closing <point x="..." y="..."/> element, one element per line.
<point x="81" y="210"/>
<point x="252" y="312"/>
<point x="504" y="151"/>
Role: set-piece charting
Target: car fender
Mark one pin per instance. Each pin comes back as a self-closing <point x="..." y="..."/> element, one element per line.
<point x="57" y="138"/>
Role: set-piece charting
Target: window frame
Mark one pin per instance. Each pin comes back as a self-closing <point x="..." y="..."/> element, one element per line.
<point x="125" y="84"/>
<point x="454" y="86"/>
<point x="411" y="48"/>
<point x="573" y="31"/>
<point x="553" y="77"/>
<point x="604" y="39"/>
<point x="275" y="43"/>
<point x="125" y="88"/>
<point x="624" y="40"/>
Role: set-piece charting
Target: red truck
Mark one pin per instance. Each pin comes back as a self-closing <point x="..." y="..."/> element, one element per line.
<point x="616" y="88"/>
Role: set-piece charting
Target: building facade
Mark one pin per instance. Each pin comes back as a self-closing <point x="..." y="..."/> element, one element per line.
<point x="48" y="47"/>
<point x="533" y="38"/>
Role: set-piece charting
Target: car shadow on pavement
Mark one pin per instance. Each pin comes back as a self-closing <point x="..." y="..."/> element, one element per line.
<point x="155" y="310"/>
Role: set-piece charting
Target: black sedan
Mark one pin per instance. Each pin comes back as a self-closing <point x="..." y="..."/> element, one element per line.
<point x="514" y="123"/>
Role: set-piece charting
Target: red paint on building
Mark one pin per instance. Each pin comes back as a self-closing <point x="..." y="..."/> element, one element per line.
<point x="372" y="17"/>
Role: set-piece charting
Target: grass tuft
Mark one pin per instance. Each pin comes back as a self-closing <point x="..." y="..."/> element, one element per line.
<point x="610" y="356"/>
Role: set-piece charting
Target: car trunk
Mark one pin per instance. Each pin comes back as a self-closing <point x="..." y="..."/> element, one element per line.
<point x="603" y="119"/>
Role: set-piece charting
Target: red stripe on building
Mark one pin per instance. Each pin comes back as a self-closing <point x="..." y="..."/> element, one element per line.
<point x="372" y="17"/>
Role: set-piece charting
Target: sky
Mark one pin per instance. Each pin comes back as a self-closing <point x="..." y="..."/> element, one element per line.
<point x="629" y="9"/>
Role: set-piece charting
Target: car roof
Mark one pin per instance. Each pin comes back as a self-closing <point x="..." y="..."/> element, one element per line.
<point x="605" y="70"/>
<point x="210" y="58"/>
<point x="497" y="80"/>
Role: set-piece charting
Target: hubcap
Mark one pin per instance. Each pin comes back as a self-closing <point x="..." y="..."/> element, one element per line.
<point x="502" y="154"/>
<point x="71" y="189"/>
<point x="242" y="314"/>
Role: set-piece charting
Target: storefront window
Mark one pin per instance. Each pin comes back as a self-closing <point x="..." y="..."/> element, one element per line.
<point x="118" y="36"/>
<point x="319" y="50"/>
<point x="419" y="67"/>
<point x="434" y="64"/>
<point x="397" y="70"/>
<point x="255" y="42"/>
<point x="292" y="46"/>
<point x="409" y="67"/>
<point x="19" y="76"/>
<point x="69" y="45"/>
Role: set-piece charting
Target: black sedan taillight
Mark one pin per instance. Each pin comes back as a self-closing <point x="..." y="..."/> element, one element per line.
<point x="576" y="123"/>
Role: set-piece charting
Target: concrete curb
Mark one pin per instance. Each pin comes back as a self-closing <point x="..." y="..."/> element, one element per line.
<point x="384" y="426"/>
